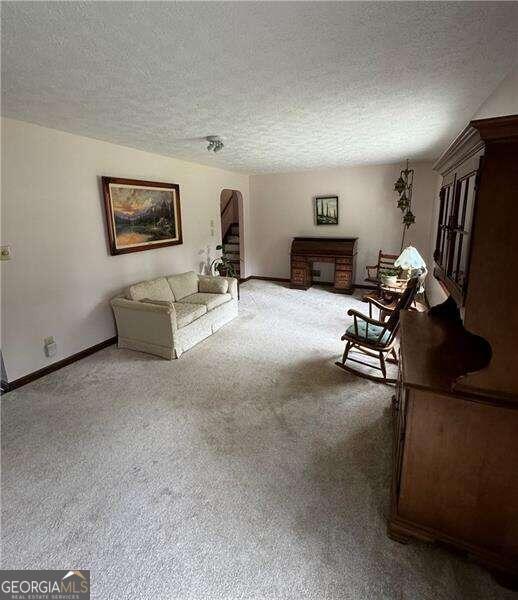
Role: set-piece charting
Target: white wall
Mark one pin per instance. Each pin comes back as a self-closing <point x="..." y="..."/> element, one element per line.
<point x="503" y="101"/>
<point x="61" y="276"/>
<point x="282" y="208"/>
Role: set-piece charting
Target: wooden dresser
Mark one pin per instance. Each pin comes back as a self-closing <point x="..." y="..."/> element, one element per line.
<point x="455" y="474"/>
<point x="339" y="251"/>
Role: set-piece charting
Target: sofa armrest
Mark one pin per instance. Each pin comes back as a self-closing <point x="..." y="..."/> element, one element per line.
<point x="144" y="321"/>
<point x="147" y="306"/>
<point x="232" y="286"/>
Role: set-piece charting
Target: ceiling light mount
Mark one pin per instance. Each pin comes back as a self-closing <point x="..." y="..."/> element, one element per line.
<point x="215" y="143"/>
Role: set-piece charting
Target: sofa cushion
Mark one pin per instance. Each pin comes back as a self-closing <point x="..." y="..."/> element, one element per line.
<point x="213" y="285"/>
<point x="208" y="300"/>
<point x="154" y="289"/>
<point x="187" y="313"/>
<point x="183" y="284"/>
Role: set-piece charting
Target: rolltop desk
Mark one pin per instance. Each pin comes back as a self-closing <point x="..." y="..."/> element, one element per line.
<point x="339" y="251"/>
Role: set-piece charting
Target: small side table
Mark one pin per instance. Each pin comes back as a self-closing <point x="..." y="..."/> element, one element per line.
<point x="389" y="295"/>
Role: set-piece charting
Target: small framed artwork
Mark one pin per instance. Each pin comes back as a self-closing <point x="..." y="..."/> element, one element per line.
<point x="141" y="215"/>
<point x="326" y="210"/>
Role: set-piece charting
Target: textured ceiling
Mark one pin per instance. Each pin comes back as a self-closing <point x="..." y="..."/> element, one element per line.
<point x="287" y="85"/>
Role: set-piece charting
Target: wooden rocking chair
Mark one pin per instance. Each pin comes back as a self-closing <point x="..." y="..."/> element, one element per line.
<point x="376" y="338"/>
<point x="385" y="261"/>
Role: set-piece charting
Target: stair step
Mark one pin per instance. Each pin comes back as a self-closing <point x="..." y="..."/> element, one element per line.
<point x="234" y="229"/>
<point x="231" y="247"/>
<point x="232" y="239"/>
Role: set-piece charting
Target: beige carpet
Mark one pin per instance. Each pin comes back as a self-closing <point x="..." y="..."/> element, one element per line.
<point x="250" y="468"/>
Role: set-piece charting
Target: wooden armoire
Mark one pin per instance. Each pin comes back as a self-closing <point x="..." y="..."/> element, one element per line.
<point x="455" y="476"/>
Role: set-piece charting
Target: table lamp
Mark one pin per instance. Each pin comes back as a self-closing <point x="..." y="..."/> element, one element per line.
<point x="412" y="264"/>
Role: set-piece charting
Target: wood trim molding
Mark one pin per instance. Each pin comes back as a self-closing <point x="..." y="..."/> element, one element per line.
<point x="497" y="128"/>
<point x="359" y="286"/>
<point x="471" y="140"/>
<point x="9" y="386"/>
<point x="263" y="278"/>
<point x="466" y="144"/>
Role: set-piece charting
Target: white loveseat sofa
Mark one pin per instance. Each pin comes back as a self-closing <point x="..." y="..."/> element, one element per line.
<point x="169" y="315"/>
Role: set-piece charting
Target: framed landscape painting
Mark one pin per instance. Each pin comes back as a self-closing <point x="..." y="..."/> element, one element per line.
<point x="326" y="210"/>
<point x="141" y="215"/>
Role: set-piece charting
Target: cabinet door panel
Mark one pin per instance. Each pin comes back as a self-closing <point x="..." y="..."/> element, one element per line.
<point x="456" y="230"/>
<point x="466" y="227"/>
<point x="445" y="207"/>
<point x="450" y="482"/>
<point x="448" y="241"/>
<point x="452" y="247"/>
<point x="460" y="229"/>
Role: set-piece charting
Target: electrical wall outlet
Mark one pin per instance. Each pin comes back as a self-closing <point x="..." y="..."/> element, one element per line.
<point x="6" y="252"/>
<point x="49" y="346"/>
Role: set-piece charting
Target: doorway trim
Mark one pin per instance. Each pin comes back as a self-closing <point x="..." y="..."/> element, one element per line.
<point x="224" y="197"/>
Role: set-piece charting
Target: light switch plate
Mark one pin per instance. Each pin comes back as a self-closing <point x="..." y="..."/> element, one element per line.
<point x="49" y="346"/>
<point x="6" y="252"/>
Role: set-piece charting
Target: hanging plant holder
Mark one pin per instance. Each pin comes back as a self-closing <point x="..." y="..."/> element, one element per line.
<point x="408" y="218"/>
<point x="400" y="185"/>
<point x="402" y="203"/>
<point x="403" y="186"/>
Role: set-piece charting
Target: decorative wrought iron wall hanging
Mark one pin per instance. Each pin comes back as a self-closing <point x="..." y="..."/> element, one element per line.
<point x="403" y="187"/>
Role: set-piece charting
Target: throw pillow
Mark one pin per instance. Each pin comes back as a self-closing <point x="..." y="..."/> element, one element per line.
<point x="213" y="285"/>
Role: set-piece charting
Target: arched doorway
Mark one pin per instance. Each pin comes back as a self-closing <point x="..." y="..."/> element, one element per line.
<point x="232" y="239"/>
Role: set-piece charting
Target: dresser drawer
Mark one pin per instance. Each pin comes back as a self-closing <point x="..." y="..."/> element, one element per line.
<point x="298" y="264"/>
<point x="344" y="260"/>
<point x="298" y="275"/>
<point x="344" y="267"/>
<point x="342" y="278"/>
